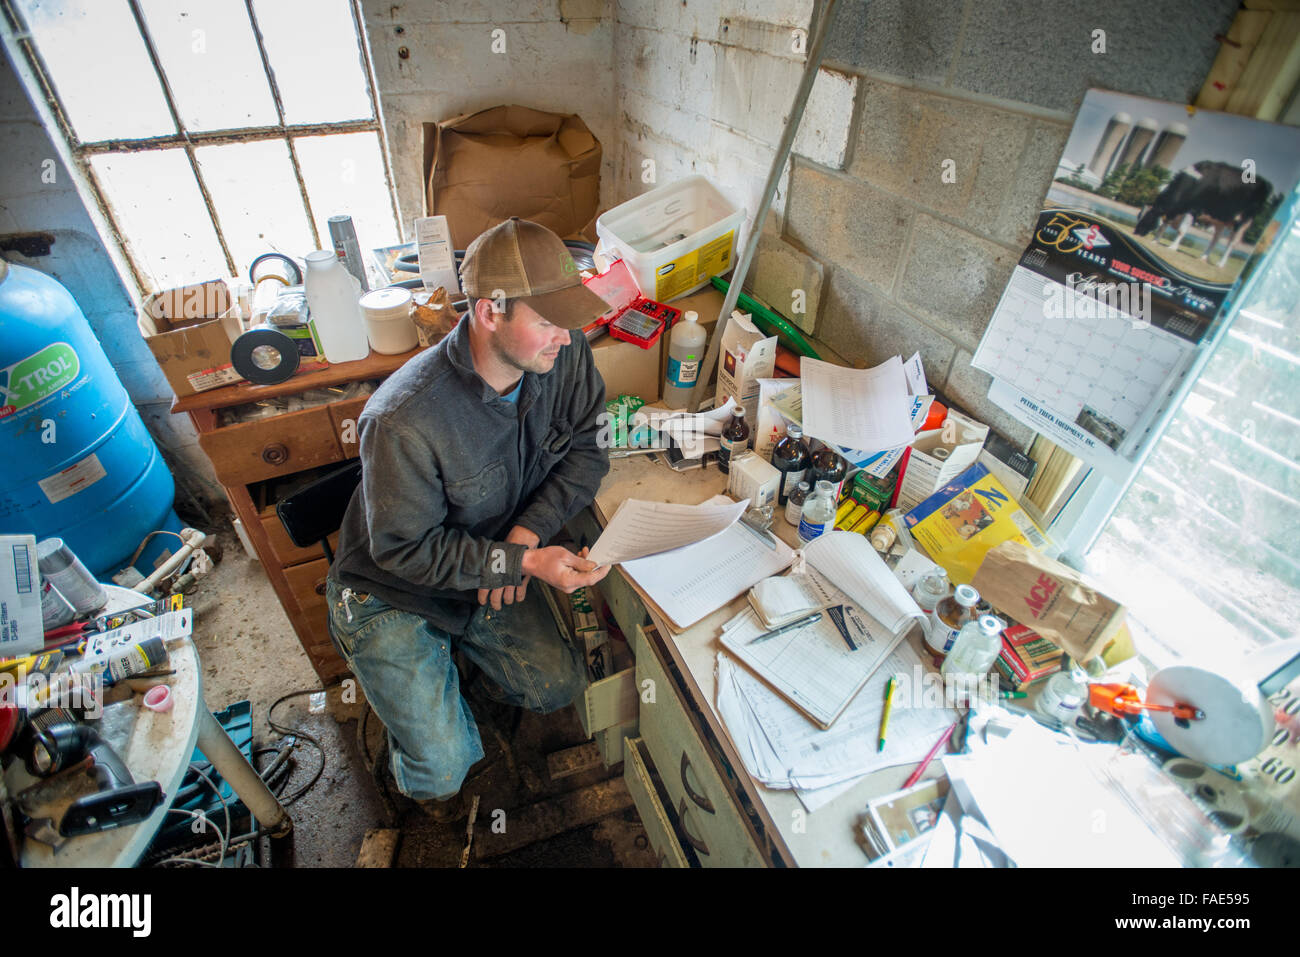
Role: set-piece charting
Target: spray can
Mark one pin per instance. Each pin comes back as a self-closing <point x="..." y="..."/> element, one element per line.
<point x="55" y="610"/>
<point x="346" y="247"/>
<point x="126" y="660"/>
<point x="65" y="572"/>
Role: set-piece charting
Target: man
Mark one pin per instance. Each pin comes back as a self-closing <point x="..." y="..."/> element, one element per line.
<point x="474" y="454"/>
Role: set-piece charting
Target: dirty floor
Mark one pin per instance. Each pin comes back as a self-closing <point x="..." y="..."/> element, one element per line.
<point x="524" y="817"/>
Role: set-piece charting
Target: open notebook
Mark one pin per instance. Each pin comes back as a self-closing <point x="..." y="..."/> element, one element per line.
<point x="816" y="668"/>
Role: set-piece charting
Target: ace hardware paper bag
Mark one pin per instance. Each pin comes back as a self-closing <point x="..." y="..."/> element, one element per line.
<point x="1050" y="598"/>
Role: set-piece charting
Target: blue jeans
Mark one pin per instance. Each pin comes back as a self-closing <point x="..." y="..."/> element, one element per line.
<point x="405" y="667"/>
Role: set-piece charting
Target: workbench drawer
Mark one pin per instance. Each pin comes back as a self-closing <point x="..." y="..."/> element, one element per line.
<point x="707" y="814"/>
<point x="283" y="548"/>
<point x="254" y="451"/>
<point x="656" y="821"/>
<point x="608" y="702"/>
<point x="626" y="606"/>
<point x="343" y="416"/>
<point x="307" y="583"/>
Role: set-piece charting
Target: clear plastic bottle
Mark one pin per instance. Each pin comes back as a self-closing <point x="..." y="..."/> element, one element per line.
<point x="332" y="298"/>
<point x="973" y="652"/>
<point x="794" y="503"/>
<point x="949" y="617"/>
<point x="685" y="352"/>
<point x="818" y="516"/>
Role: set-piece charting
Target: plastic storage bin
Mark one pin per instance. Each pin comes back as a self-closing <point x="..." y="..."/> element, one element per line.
<point x="673" y="238"/>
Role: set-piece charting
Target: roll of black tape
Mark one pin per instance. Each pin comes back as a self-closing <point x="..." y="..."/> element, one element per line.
<point x="265" y="356"/>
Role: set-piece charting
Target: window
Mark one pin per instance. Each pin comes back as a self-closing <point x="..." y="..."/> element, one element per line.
<point x="213" y="131"/>
<point x="1204" y="547"/>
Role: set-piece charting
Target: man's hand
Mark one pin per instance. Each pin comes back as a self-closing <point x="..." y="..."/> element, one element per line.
<point x="510" y="594"/>
<point x="560" y="567"/>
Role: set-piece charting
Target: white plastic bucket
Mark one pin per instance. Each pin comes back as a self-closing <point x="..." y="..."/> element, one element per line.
<point x="388" y="320"/>
<point x="674" y="238"/>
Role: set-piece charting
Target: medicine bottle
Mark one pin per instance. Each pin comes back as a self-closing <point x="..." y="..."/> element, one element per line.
<point x="735" y="439"/>
<point x="790" y="456"/>
<point x="794" y="503"/>
<point x="949" y="617"/>
<point x="818" y="513"/>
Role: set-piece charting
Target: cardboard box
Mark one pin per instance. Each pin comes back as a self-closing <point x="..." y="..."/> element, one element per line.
<point x="939" y="456"/>
<point x="628" y="369"/>
<point x="190" y="331"/>
<point x="744" y="357"/>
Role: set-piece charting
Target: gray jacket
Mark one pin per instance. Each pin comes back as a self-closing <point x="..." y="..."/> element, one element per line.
<point x="449" y="467"/>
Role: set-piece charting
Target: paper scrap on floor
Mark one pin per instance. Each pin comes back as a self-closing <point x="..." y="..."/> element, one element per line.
<point x="857" y="408"/>
<point x="640" y="529"/>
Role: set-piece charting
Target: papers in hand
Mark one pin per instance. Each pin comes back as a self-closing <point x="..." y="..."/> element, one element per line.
<point x="640" y="529"/>
<point x="856" y="408"/>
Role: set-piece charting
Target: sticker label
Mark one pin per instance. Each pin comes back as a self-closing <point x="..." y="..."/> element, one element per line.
<point x="712" y="259"/>
<point x="75" y="478"/>
<point x="212" y="378"/>
<point x="30" y="380"/>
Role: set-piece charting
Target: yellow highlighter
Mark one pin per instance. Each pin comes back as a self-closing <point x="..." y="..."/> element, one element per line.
<point x="884" y="718"/>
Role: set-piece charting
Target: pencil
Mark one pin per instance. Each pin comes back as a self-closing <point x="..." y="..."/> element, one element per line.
<point x="889" y="706"/>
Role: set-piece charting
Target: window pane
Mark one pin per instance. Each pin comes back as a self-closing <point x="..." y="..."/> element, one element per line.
<point x="162" y="217"/>
<point x="1205" y="547"/>
<point x="210" y="57"/>
<point x="345" y="175"/>
<point x="97" y="60"/>
<point x="319" y="72"/>
<point x="257" y="200"/>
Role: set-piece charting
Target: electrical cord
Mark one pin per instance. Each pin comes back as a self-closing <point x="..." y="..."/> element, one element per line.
<point x="299" y="732"/>
<point x="225" y="837"/>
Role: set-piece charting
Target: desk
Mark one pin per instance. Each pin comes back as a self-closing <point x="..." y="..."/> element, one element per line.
<point x="711" y="800"/>
<point x="159" y="748"/>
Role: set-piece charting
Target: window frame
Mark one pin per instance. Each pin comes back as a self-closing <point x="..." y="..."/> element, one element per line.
<point x="1084" y="518"/>
<point x="34" y="74"/>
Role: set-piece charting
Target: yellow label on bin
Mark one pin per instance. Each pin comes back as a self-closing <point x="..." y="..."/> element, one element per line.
<point x="712" y="259"/>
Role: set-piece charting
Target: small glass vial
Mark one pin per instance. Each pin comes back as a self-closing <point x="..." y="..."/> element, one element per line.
<point x="949" y="617"/>
<point x="930" y="589"/>
<point x="1062" y="697"/>
<point x="794" y="503"/>
<point x="735" y="439"/>
<point x="818" y="516"/>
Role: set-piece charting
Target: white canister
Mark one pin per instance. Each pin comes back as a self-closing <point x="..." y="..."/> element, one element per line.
<point x="388" y="320"/>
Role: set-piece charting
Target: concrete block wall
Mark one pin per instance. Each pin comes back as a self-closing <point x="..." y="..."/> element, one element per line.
<point x="889" y="256"/>
<point x="434" y="59"/>
<point x="37" y="195"/>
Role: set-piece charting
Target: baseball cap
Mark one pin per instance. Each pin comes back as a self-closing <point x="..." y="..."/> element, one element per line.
<point x="523" y="260"/>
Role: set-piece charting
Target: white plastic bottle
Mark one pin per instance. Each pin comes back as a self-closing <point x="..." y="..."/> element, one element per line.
<point x="685" y="353"/>
<point x="332" y="295"/>
<point x="973" y="652"/>
<point x="818" y="513"/>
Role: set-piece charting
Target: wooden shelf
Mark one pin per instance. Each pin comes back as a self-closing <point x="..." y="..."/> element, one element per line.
<point x="374" y="366"/>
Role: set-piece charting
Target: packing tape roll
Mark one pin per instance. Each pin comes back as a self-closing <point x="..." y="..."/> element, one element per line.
<point x="1223" y="796"/>
<point x="265" y="356"/>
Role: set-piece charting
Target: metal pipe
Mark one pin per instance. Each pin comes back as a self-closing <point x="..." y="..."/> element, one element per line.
<point x="231" y="764"/>
<point x="813" y="64"/>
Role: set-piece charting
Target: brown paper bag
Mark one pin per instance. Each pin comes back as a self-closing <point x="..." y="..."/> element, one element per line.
<point x="1050" y="598"/>
<point x="508" y="161"/>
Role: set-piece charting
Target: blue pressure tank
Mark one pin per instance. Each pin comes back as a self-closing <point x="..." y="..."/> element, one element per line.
<point x="76" y="461"/>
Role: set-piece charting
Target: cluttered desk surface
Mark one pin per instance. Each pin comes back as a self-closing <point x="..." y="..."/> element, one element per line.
<point x="824" y="838"/>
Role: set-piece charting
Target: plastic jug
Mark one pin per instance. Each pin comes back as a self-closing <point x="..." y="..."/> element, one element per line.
<point x="332" y="299"/>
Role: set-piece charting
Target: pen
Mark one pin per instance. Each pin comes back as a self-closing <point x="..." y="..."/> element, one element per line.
<point x="1013" y="694"/>
<point x="925" y="762"/>
<point x="889" y="705"/>
<point x="810" y="620"/>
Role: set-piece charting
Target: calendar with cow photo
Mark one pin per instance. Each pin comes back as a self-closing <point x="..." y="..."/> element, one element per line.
<point x="1152" y="216"/>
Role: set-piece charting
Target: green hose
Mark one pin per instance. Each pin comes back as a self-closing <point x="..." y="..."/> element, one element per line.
<point x="768" y="322"/>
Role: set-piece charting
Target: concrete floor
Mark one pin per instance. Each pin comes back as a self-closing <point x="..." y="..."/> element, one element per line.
<point x="249" y="651"/>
